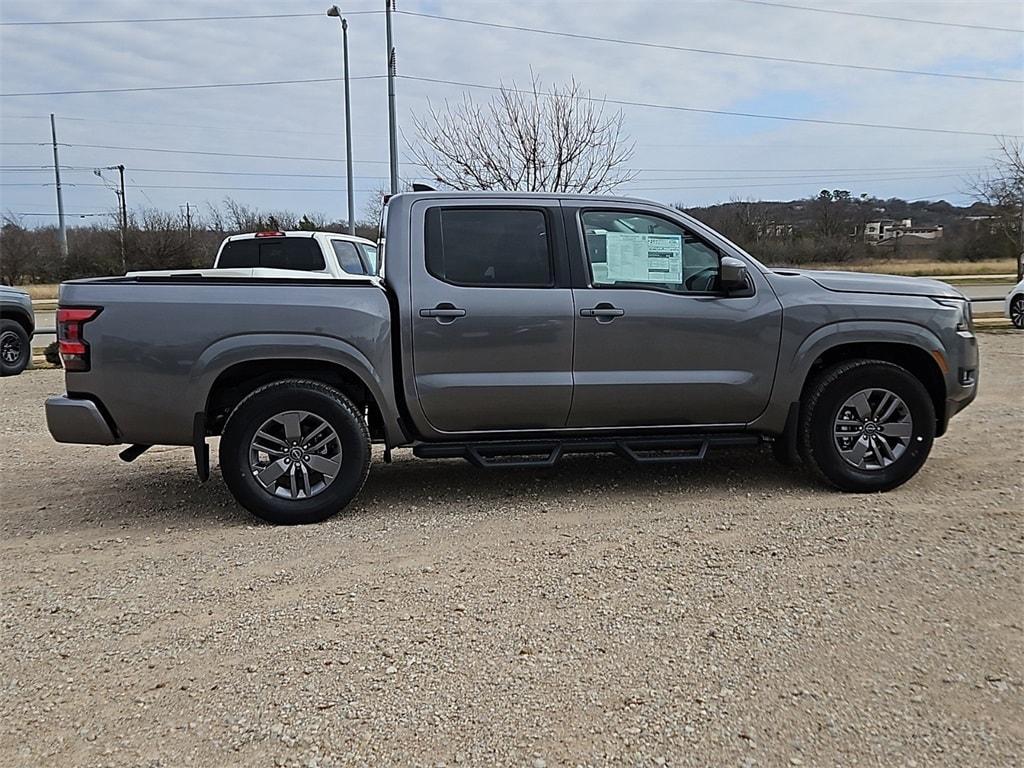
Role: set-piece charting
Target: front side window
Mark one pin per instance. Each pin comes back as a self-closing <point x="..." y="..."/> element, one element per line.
<point x="348" y="257"/>
<point x="635" y="250"/>
<point x="489" y="247"/>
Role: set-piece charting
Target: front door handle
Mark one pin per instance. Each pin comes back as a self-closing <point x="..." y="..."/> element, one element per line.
<point x="603" y="312"/>
<point x="444" y="312"/>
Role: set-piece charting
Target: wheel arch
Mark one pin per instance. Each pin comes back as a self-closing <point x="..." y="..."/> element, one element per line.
<point x="240" y="379"/>
<point x="20" y="316"/>
<point x="232" y="367"/>
<point x="922" y="364"/>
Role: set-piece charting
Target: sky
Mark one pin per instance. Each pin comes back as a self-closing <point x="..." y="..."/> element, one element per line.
<point x="691" y="158"/>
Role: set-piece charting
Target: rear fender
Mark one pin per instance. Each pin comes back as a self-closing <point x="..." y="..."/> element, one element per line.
<point x="374" y="374"/>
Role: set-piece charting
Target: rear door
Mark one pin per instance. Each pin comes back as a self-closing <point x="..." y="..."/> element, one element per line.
<point x="657" y="342"/>
<point x="492" y="315"/>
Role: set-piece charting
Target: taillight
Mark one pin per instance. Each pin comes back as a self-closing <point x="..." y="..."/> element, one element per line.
<point x="74" y="351"/>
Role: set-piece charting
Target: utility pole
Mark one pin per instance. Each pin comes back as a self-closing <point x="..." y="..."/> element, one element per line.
<point x="336" y="12"/>
<point x="124" y="218"/>
<point x="61" y="229"/>
<point x="348" y="134"/>
<point x="1020" y="254"/>
<point x="188" y="218"/>
<point x="392" y="129"/>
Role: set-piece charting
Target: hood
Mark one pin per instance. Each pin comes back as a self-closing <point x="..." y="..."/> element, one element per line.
<point x="9" y="291"/>
<point x="864" y="282"/>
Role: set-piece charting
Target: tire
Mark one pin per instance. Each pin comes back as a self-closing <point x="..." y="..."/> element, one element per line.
<point x="290" y="399"/>
<point x="15" y="348"/>
<point x="885" y="461"/>
<point x="1017" y="311"/>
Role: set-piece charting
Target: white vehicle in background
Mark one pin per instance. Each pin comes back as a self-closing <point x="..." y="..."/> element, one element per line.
<point x="1013" y="307"/>
<point x="275" y="254"/>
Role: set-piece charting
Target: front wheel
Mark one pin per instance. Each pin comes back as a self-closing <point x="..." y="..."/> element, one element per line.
<point x="866" y="426"/>
<point x="1017" y="311"/>
<point x="295" y="451"/>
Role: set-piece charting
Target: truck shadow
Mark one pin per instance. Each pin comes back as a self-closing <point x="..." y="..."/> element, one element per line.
<point x="409" y="483"/>
<point x="159" y="497"/>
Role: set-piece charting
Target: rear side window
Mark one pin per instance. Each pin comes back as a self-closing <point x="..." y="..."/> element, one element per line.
<point x="239" y="253"/>
<point x="301" y="253"/>
<point x="370" y="254"/>
<point x="489" y="247"/>
<point x="348" y="257"/>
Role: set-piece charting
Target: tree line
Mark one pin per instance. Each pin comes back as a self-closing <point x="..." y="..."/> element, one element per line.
<point x="153" y="239"/>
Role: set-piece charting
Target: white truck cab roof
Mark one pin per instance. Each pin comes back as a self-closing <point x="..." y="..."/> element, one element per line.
<point x="329" y="253"/>
<point x="297" y="254"/>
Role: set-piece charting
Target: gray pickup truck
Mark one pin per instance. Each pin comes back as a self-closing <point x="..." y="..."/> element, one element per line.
<point x="510" y="329"/>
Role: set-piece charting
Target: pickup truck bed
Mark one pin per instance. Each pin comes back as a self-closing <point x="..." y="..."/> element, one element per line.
<point x="189" y="336"/>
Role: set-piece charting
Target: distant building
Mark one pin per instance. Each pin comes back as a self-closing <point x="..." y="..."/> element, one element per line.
<point x="774" y="230"/>
<point x="877" y="232"/>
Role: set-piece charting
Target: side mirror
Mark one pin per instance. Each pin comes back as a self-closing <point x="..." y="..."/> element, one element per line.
<point x="732" y="275"/>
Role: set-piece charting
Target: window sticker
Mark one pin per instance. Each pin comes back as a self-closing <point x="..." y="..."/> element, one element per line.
<point x="640" y="258"/>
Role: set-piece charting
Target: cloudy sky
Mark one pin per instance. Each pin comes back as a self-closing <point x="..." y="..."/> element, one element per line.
<point x="202" y="145"/>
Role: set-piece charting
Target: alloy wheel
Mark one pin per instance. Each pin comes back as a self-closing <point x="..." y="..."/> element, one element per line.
<point x="873" y="429"/>
<point x="295" y="455"/>
<point x="10" y="347"/>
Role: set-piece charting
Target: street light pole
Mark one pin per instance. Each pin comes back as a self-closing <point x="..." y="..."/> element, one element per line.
<point x="392" y="130"/>
<point x="336" y="12"/>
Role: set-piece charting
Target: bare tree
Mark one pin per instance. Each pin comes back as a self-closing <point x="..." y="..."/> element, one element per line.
<point x="1002" y="190"/>
<point x="18" y="251"/>
<point x="525" y="140"/>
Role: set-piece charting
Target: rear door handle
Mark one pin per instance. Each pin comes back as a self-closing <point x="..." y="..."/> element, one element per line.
<point x="444" y="311"/>
<point x="603" y="311"/>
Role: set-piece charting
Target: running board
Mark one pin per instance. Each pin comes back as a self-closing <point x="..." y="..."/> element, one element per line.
<point x="545" y="453"/>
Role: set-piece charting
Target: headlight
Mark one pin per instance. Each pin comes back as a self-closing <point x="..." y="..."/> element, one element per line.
<point x="965" y="322"/>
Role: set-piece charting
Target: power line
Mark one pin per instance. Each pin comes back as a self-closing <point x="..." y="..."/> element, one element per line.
<point x="746" y="177"/>
<point x="706" y="51"/>
<point x="220" y="154"/>
<point x="879" y="16"/>
<point x="809" y="182"/>
<point x="231" y="128"/>
<point x="704" y="111"/>
<point x="89" y="169"/>
<point x="65" y="22"/>
<point x="747" y="170"/>
<point x="189" y="87"/>
<point x="189" y="186"/>
<point x="79" y="215"/>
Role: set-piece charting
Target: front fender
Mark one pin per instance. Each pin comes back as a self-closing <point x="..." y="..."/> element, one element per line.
<point x="796" y="361"/>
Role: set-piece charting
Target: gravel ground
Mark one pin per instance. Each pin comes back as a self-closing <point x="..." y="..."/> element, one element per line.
<point x="731" y="613"/>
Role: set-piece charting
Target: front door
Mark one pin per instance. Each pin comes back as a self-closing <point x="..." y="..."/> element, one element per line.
<point x="657" y="344"/>
<point x="492" y="323"/>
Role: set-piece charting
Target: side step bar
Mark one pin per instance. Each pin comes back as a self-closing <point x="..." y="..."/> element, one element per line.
<point x="544" y="453"/>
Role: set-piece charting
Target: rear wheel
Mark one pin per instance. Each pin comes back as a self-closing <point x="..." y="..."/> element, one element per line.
<point x="866" y="425"/>
<point x="295" y="452"/>
<point x="15" y="348"/>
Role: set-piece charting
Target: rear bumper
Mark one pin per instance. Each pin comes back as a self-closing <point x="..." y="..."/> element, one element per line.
<point x="72" y="420"/>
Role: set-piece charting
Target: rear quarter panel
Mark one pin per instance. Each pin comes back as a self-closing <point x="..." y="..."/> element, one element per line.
<point x="157" y="349"/>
